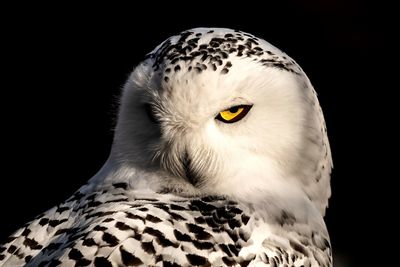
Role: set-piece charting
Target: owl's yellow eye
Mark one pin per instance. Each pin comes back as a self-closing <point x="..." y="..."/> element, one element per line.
<point x="233" y="114"/>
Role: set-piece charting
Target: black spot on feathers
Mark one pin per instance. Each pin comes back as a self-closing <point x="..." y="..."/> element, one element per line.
<point x="110" y="239"/>
<point x="197" y="260"/>
<point x="148" y="247"/>
<point x="102" y="262"/>
<point x="32" y="244"/>
<point x="75" y="254"/>
<point x="120" y="185"/>
<point x="192" y="51"/>
<point x="160" y="237"/>
<point x="128" y="259"/>
<point x="298" y="247"/>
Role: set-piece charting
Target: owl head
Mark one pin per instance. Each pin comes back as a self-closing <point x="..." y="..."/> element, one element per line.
<point x="222" y="112"/>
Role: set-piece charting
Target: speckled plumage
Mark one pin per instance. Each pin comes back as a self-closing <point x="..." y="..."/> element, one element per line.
<point x="183" y="189"/>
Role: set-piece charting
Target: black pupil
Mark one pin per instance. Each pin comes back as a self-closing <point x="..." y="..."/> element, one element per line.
<point x="234" y="109"/>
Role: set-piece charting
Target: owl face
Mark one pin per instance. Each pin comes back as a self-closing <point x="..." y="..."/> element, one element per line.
<point x="223" y="111"/>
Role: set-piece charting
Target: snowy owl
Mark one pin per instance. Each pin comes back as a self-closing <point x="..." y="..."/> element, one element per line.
<point x="220" y="158"/>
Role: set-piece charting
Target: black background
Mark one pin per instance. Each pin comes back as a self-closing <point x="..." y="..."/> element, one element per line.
<point x="65" y="66"/>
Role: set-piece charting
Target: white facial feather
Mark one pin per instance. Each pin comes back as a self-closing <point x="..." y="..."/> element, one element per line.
<point x="279" y="147"/>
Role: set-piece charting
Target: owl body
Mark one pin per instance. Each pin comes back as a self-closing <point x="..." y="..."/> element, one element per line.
<point x="142" y="228"/>
<point x="220" y="158"/>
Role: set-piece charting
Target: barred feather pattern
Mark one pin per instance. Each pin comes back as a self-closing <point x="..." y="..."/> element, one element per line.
<point x="119" y="228"/>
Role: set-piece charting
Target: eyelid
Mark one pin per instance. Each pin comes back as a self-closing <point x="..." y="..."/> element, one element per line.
<point x="236" y="102"/>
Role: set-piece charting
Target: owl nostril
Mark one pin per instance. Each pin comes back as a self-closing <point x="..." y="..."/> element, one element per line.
<point x="188" y="170"/>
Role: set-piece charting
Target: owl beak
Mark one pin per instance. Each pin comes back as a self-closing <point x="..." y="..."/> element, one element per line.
<point x="188" y="171"/>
